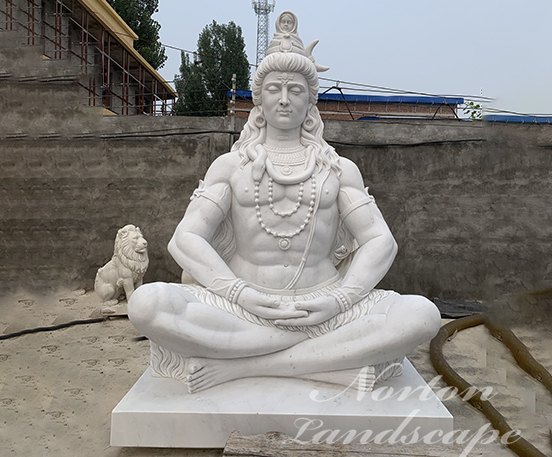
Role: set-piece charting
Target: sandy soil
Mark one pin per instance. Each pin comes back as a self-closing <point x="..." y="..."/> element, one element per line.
<point x="57" y="389"/>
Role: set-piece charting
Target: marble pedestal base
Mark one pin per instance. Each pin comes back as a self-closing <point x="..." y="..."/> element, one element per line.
<point x="159" y="412"/>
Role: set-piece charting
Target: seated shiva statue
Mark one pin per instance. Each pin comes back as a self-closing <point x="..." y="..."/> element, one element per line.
<point x="286" y="248"/>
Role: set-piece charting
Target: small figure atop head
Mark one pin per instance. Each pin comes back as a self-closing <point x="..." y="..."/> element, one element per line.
<point x="286" y="23"/>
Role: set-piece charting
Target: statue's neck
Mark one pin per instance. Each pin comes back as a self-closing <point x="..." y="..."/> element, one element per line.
<point x="283" y="139"/>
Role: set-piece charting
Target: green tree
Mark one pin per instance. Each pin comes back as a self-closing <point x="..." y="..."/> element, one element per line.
<point x="203" y="82"/>
<point x="193" y="99"/>
<point x="138" y="15"/>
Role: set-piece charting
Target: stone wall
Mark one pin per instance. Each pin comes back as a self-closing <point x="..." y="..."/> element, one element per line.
<point x="63" y="198"/>
<point x="468" y="202"/>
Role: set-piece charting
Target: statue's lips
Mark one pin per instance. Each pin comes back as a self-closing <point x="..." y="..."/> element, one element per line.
<point x="284" y="112"/>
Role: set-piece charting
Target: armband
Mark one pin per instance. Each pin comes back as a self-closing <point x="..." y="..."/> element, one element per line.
<point x="202" y="192"/>
<point x="363" y="201"/>
<point x="357" y="204"/>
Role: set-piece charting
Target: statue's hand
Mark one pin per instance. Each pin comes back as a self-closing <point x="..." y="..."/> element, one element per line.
<point x="320" y="310"/>
<point x="267" y="307"/>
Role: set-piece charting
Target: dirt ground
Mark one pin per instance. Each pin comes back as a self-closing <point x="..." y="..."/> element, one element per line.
<point x="57" y="389"/>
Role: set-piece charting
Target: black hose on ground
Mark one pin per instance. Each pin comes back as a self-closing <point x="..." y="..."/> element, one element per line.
<point x="58" y="327"/>
<point x="521" y="446"/>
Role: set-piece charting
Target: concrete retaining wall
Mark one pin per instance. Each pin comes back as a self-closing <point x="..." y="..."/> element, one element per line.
<point x="468" y="203"/>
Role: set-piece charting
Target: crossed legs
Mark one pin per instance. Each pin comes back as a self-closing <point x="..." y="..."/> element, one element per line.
<point x="222" y="347"/>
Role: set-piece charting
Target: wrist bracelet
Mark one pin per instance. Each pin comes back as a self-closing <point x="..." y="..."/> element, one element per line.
<point x="342" y="300"/>
<point x="239" y="291"/>
<point x="235" y="291"/>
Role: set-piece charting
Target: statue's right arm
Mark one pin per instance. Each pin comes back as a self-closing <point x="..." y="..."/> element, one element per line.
<point x="191" y="247"/>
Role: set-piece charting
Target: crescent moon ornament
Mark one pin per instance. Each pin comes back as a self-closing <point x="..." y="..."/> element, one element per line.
<point x="308" y="51"/>
<point x="310" y="47"/>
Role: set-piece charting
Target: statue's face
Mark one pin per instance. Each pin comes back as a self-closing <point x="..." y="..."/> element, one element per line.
<point x="285" y="99"/>
<point x="286" y="23"/>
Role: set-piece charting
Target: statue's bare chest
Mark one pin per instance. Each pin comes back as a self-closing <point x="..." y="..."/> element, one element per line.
<point x="284" y="198"/>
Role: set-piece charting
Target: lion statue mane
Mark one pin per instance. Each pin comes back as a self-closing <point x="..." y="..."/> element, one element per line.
<point x="126" y="269"/>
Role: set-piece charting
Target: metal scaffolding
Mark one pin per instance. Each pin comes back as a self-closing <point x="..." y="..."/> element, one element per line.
<point x="116" y="78"/>
<point x="262" y="8"/>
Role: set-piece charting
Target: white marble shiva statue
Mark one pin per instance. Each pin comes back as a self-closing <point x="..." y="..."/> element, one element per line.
<point x="286" y="246"/>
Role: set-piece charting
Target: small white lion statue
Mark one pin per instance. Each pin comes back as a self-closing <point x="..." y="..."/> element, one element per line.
<point x="125" y="271"/>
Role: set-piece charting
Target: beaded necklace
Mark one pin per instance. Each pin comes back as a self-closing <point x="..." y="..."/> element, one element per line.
<point x="284" y="242"/>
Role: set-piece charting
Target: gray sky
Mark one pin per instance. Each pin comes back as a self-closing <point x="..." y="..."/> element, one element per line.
<point x="442" y="47"/>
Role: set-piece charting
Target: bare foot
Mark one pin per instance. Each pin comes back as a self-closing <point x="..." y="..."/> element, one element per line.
<point x="205" y="373"/>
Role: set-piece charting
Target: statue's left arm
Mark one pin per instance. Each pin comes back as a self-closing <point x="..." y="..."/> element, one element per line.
<point x="377" y="249"/>
<point x="372" y="260"/>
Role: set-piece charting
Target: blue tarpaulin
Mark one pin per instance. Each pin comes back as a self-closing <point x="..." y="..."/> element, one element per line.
<point x="376" y="98"/>
<point x="516" y="119"/>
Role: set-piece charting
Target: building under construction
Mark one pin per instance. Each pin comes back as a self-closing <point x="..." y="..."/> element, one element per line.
<point x="92" y="37"/>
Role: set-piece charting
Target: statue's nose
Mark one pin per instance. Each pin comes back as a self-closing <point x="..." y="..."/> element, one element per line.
<point x="284" y="97"/>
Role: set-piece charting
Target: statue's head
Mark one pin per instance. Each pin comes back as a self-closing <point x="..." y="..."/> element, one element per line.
<point x="287" y="54"/>
<point x="287" y="57"/>
<point x="285" y="63"/>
